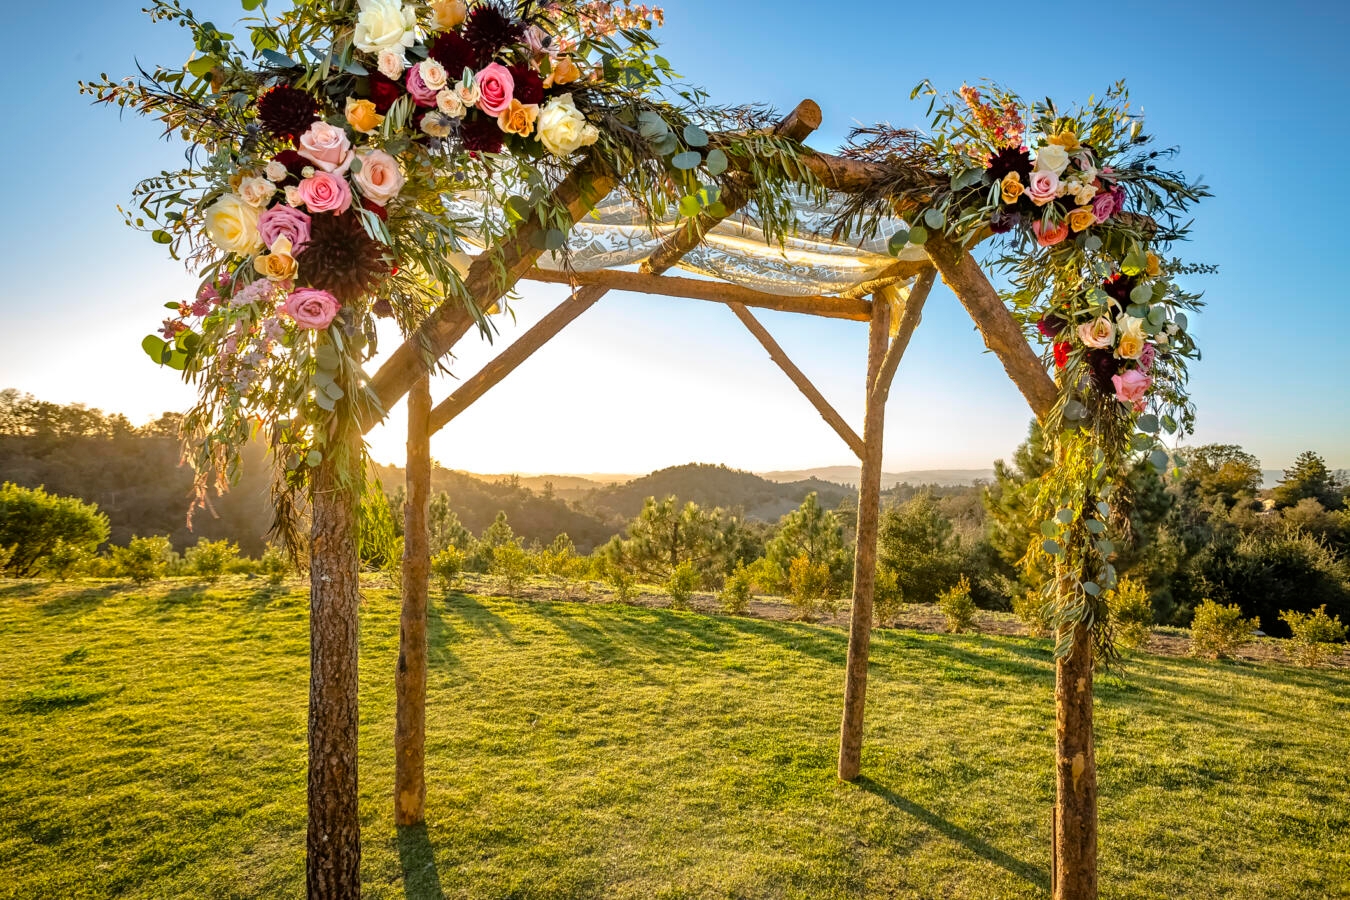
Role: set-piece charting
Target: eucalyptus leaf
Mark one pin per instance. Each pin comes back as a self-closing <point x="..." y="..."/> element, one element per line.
<point x="934" y="218"/>
<point x="313" y="458"/>
<point x="689" y="206"/>
<point x="1049" y="529"/>
<point x="689" y="159"/>
<point x="1157" y="315"/>
<point x="918" y="235"/>
<point x="154" y="347"/>
<point x="1181" y="320"/>
<point x="1148" y="422"/>
<point x="1104" y="508"/>
<point x="897" y="242"/>
<point x="1092" y="244"/>
<point x="554" y="240"/>
<point x="280" y="60"/>
<point x="1091" y="588"/>
<point x="1159" y="459"/>
<point x="695" y="136"/>
<point x="1142" y="294"/>
<point x="1052" y="547"/>
<point x="202" y="66"/>
<point x="1065" y="516"/>
<point x="717" y="162"/>
<point x="651" y="126"/>
<point x="1096" y="526"/>
<point x="1105" y="548"/>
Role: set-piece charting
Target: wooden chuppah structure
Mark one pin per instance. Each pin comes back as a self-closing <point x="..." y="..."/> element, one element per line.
<point x="406" y="372"/>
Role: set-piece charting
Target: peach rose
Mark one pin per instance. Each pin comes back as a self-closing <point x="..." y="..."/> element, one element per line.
<point x="311" y="308"/>
<point x="327" y="146"/>
<point x="563" y="71"/>
<point x="518" y="118"/>
<point x="1050" y="236"/>
<point x="325" y="192"/>
<point x="362" y="116"/>
<point x="256" y="192"/>
<point x="1012" y="187"/>
<point x="448" y="14"/>
<point x="391" y="64"/>
<point x="379" y="178"/>
<point x="1099" y="334"/>
<point x="1081" y="218"/>
<point x="449" y="102"/>
<point x="1043" y="187"/>
<point x="279" y="265"/>
<point x="496" y="86"/>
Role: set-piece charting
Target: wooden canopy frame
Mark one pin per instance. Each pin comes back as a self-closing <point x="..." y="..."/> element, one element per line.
<point x="334" y="599"/>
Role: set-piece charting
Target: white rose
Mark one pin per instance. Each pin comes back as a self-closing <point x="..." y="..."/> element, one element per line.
<point x="256" y="192"/>
<point x="1052" y="158"/>
<point x="562" y="128"/>
<point x="276" y="171"/>
<point x="392" y="63"/>
<point x="232" y="225"/>
<point x="384" y="25"/>
<point x="448" y="102"/>
<point x="433" y="74"/>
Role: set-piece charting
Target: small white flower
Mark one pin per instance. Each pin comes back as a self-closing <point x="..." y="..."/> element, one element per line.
<point x="276" y="171"/>
<point x="307" y="172"/>
<point x="392" y="63"/>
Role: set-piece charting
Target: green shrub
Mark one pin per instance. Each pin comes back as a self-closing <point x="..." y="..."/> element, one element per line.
<point x="6" y="554"/>
<point x="274" y="565"/>
<point x="143" y="559"/>
<point x="64" y="561"/>
<point x="34" y="523"/>
<point x="1132" y="613"/>
<point x="618" y="578"/>
<point x="1217" y="631"/>
<point x="511" y="564"/>
<point x="1029" y="606"/>
<point x="808" y="585"/>
<point x="736" y="593"/>
<point x="887" y="597"/>
<point x="681" y="584"/>
<point x="1316" y="635"/>
<point x="957" y="606"/>
<point x="559" y="558"/>
<point x="393" y="566"/>
<point x="447" y="567"/>
<point x="210" y="559"/>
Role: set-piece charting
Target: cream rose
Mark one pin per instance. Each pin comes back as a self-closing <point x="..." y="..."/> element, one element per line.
<point x="562" y="129"/>
<point x="276" y="171"/>
<point x="384" y="25"/>
<point x="433" y="74"/>
<point x="391" y="64"/>
<point x="1099" y="334"/>
<point x="1132" y="338"/>
<point x="467" y="92"/>
<point x="328" y="147"/>
<point x="379" y="178"/>
<point x="232" y="225"/>
<point x="256" y="192"/>
<point x="1052" y="158"/>
<point x="448" y="102"/>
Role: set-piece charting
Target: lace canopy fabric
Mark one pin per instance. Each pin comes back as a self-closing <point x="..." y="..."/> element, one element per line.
<point x="734" y="251"/>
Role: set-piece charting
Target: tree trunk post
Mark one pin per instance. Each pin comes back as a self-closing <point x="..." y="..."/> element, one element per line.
<point x="410" y="677"/>
<point x="1075" y="833"/>
<point x="333" y="839"/>
<point x="865" y="550"/>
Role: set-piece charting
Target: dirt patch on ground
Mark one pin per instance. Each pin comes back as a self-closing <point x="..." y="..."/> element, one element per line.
<point x="918" y="617"/>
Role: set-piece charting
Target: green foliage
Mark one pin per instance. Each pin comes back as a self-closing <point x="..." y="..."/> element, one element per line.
<point x="809" y="589"/>
<point x="1030" y="607"/>
<point x="444" y="526"/>
<point x="1222" y="472"/>
<point x="63" y="562"/>
<point x="1131" y="613"/>
<point x="393" y="566"/>
<point x="447" y="567"/>
<point x="957" y="606"/>
<point x="143" y="559"/>
<point x="210" y="559"/>
<point x="666" y="535"/>
<point x="1219" y="631"/>
<point x="1308" y="478"/>
<point x="1315" y="635"/>
<point x="559" y="558"/>
<point x="812" y="531"/>
<point x="736" y="591"/>
<point x="274" y="565"/>
<point x="918" y="545"/>
<point x="618" y="578"/>
<point x="378" y="541"/>
<point x="34" y="524"/>
<point x="1266" y="573"/>
<point x="681" y="584"/>
<point x="887" y="598"/>
<point x="511" y="564"/>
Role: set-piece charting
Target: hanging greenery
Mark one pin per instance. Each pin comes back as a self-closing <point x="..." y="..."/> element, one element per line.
<point x="1084" y="214"/>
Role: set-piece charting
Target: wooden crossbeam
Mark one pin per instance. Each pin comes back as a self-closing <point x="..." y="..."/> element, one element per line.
<point x="798" y="377"/>
<point x="715" y="291"/>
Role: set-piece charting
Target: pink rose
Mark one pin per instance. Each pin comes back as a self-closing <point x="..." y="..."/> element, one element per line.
<point x="496" y="88"/>
<point x="285" y="221"/>
<point x="1103" y="206"/>
<point x="422" y="94"/>
<point x="1147" y="356"/>
<point x="311" y="308"/>
<point x="1132" y="387"/>
<point x="379" y="177"/>
<point x="325" y="192"/>
<point x="1050" y="236"/>
<point x="327" y="147"/>
<point x="1042" y="187"/>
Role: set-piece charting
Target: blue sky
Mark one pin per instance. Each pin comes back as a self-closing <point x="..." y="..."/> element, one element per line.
<point x="1253" y="94"/>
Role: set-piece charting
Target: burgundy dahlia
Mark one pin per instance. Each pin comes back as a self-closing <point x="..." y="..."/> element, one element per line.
<point x="481" y="135"/>
<point x="383" y="92"/>
<point x="456" y="54"/>
<point x="1118" y="287"/>
<point x="1001" y="221"/>
<point x="1010" y="159"/>
<point x="1051" y="325"/>
<point x="294" y="163"/>
<point x="287" y="112"/>
<point x="341" y="258"/>
<point x="489" y="28"/>
<point x="1103" y="364"/>
<point x="529" y="86"/>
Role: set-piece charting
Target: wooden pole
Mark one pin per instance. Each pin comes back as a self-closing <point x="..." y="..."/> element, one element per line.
<point x="909" y="320"/>
<point x="410" y="676"/>
<point x="865" y="550"/>
<point x="856" y="310"/>
<point x="1075" y="837"/>
<point x="798" y="377"/>
<point x="333" y="838"/>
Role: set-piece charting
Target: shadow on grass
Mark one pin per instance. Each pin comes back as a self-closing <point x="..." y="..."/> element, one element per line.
<point x="421" y="881"/>
<point x="22" y="589"/>
<point x="974" y="844"/>
<point x="75" y="602"/>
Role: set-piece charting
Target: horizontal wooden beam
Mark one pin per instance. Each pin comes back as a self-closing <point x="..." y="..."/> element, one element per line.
<point x="856" y="310"/>
<point x="798" y="377"/>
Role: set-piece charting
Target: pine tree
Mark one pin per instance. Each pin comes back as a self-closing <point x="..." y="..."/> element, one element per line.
<point x="1309" y="477"/>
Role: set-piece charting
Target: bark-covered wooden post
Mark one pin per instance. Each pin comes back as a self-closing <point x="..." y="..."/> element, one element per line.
<point x="333" y="840"/>
<point x="410" y="676"/>
<point x="865" y="550"/>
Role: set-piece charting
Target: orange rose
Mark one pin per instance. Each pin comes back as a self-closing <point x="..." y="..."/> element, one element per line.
<point x="279" y="265"/>
<point x="518" y="118"/>
<point x="1154" y="267"/>
<point x="362" y="116"/>
<point x="564" y="71"/>
<point x="448" y="14"/>
<point x="1066" y="139"/>
<point x="1081" y="218"/>
<point x="1012" y="187"/>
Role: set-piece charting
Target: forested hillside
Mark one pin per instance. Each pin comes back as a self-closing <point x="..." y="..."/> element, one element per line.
<point x="712" y="485"/>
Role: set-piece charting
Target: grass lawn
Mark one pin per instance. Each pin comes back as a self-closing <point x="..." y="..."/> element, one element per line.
<point x="152" y="745"/>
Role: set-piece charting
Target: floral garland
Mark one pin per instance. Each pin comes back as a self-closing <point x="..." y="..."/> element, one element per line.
<point x="1084" y="216"/>
<point x="321" y="155"/>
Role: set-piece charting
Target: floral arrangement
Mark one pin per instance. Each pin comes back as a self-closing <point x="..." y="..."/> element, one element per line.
<point x="1084" y="217"/>
<point x="320" y="155"/>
